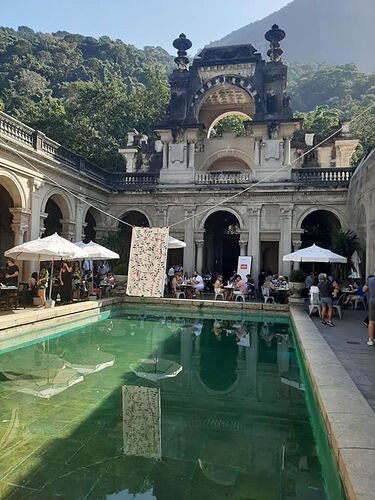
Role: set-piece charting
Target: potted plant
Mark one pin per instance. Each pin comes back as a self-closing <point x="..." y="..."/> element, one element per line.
<point x="297" y="282"/>
<point x="120" y="273"/>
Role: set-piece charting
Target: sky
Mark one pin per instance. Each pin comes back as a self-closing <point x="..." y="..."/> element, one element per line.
<point x="139" y="22"/>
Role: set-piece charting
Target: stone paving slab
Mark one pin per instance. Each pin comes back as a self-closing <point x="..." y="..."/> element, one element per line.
<point x="345" y="407"/>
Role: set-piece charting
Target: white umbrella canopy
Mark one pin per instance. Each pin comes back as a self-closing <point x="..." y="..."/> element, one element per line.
<point x="356" y="261"/>
<point x="315" y="254"/>
<point x="175" y="243"/>
<point x="50" y="248"/>
<point x="156" y="369"/>
<point x="97" y="252"/>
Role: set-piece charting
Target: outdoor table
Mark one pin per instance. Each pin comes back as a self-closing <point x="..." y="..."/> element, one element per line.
<point x="8" y="291"/>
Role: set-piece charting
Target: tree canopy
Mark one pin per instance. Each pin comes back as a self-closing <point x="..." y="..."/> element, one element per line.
<point x="86" y="93"/>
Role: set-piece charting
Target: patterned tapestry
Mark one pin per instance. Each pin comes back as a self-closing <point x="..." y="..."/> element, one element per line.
<point x="148" y="257"/>
<point x="141" y="415"/>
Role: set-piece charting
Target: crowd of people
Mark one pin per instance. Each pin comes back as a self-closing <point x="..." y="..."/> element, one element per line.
<point x="70" y="280"/>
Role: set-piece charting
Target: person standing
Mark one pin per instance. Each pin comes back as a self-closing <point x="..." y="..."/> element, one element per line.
<point x="42" y="285"/>
<point x="369" y="288"/>
<point x="198" y="284"/>
<point x="325" y="291"/>
<point x="11" y="273"/>
<point x="66" y="283"/>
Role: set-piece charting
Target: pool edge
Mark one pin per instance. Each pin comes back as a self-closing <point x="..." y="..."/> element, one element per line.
<point x="348" y="418"/>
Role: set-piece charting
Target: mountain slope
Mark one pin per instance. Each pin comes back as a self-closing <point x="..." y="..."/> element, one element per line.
<point x="332" y="31"/>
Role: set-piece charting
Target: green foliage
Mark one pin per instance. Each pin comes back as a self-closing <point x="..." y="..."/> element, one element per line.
<point x="230" y="123"/>
<point x="297" y="276"/>
<point x="345" y="243"/>
<point x="322" y="94"/>
<point x="83" y="92"/>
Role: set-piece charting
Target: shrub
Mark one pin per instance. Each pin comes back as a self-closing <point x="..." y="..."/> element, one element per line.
<point x="297" y="276"/>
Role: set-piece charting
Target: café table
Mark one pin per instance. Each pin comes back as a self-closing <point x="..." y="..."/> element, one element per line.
<point x="8" y="292"/>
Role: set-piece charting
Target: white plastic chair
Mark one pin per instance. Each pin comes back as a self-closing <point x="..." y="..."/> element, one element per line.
<point x="239" y="296"/>
<point x="359" y="300"/>
<point x="315" y="304"/>
<point x="218" y="294"/>
<point x="177" y="294"/>
<point x="339" y="305"/>
<point x="266" y="295"/>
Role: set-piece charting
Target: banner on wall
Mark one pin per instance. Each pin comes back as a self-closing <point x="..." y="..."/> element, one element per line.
<point x="244" y="266"/>
<point x="147" y="261"/>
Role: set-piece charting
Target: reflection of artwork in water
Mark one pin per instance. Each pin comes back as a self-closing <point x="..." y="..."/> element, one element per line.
<point x="147" y="261"/>
<point x="141" y="415"/>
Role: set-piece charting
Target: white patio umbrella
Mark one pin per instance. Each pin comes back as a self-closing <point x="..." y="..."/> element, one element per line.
<point x="315" y="254"/>
<point x="96" y="252"/>
<point x="50" y="248"/>
<point x="156" y="369"/>
<point x="175" y="243"/>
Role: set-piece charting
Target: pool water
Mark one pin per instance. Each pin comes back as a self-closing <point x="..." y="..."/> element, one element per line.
<point x="146" y="405"/>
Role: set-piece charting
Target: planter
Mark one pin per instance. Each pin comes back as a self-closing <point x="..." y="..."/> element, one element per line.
<point x="120" y="281"/>
<point x="296" y="288"/>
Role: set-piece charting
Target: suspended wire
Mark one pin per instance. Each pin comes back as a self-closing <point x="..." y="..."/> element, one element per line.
<point x="226" y="200"/>
<point x="269" y="176"/>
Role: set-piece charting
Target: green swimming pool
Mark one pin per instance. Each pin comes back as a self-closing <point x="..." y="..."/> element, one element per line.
<point x="144" y="404"/>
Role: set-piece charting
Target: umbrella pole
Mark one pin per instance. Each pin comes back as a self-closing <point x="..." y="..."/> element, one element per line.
<point x="92" y="277"/>
<point x="51" y="281"/>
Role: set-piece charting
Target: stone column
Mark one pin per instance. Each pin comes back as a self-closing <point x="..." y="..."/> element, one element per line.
<point x="286" y="212"/>
<point x="243" y="244"/>
<point x="165" y="155"/>
<point x="296" y="246"/>
<point x="68" y="229"/>
<point x="19" y="226"/>
<point x="189" y="254"/>
<point x="199" y="244"/>
<point x="254" y="238"/>
<point x="80" y="223"/>
<point x="287" y="141"/>
<point x="191" y="153"/>
<point x="36" y="202"/>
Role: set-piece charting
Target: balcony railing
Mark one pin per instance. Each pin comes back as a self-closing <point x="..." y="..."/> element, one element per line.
<point x="16" y="130"/>
<point x="133" y="181"/>
<point x="334" y="176"/>
<point x="223" y="178"/>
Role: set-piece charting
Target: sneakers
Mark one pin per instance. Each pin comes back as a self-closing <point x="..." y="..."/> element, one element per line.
<point x="370" y="342"/>
<point x="365" y="324"/>
<point x="324" y="322"/>
<point x="329" y="323"/>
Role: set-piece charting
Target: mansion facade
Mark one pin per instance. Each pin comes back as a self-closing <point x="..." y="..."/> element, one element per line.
<point x="262" y="192"/>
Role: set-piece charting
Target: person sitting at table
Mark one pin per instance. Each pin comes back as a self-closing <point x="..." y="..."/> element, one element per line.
<point x="358" y="294"/>
<point x="76" y="280"/>
<point x="198" y="284"/>
<point x="240" y="287"/>
<point x="269" y="283"/>
<point x="11" y="273"/>
<point x="314" y="287"/>
<point x="250" y="284"/>
<point x="32" y="281"/>
<point x="108" y="284"/>
<point x="336" y="290"/>
<point x="218" y="286"/>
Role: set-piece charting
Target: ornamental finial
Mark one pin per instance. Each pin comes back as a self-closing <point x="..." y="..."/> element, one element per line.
<point x="182" y="44"/>
<point x="274" y="36"/>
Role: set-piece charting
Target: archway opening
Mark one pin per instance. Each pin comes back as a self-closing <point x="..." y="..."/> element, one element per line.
<point x="319" y="227"/>
<point x="221" y="243"/>
<point x="224" y="99"/>
<point x="231" y="121"/>
<point x="134" y="218"/>
<point x="89" y="231"/>
<point x="6" y="234"/>
<point x="229" y="164"/>
<point x="52" y="223"/>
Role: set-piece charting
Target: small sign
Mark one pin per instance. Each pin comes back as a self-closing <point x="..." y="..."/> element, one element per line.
<point x="244" y="266"/>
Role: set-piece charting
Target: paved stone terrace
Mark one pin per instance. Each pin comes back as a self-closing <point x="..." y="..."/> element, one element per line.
<point x="348" y="341"/>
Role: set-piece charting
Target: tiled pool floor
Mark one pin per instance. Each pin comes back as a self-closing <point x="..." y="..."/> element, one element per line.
<point x="231" y="424"/>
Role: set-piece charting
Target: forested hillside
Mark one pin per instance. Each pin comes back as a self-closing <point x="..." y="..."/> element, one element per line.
<point x="86" y="93"/>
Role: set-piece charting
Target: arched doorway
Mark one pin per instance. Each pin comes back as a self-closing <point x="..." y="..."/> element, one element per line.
<point x="319" y="227"/>
<point x="134" y="218"/>
<point x="221" y="243"/>
<point x="90" y="227"/>
<point x="6" y="234"/>
<point x="52" y="223"/>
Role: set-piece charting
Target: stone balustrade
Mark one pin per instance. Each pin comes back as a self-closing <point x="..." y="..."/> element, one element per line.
<point x="129" y="181"/>
<point x="16" y="130"/>
<point x="334" y="176"/>
<point x="223" y="177"/>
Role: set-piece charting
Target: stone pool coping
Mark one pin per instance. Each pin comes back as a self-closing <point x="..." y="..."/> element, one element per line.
<point x="348" y="418"/>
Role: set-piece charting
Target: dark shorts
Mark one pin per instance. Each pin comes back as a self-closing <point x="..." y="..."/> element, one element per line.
<point x="371" y="311"/>
<point x="326" y="301"/>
